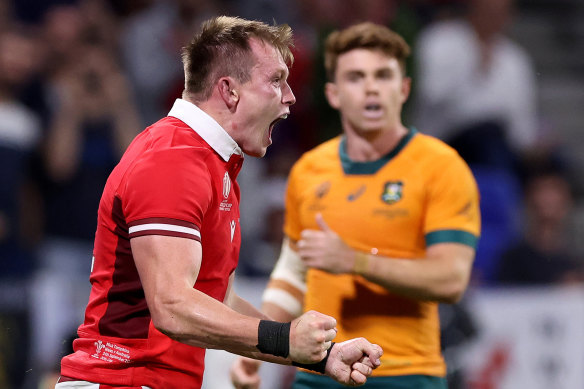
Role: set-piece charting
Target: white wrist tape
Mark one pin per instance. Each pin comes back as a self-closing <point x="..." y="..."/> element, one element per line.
<point x="287" y="281"/>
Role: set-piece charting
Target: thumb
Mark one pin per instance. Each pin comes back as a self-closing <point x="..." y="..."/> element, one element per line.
<point x="322" y="224"/>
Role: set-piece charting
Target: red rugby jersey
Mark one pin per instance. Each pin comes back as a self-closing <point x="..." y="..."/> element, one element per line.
<point x="177" y="178"/>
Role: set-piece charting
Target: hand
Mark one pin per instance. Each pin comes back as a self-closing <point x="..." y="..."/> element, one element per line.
<point x="352" y="361"/>
<point x="323" y="249"/>
<point x="244" y="373"/>
<point x="310" y="337"/>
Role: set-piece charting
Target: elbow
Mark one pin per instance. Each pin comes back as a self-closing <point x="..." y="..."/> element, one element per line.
<point x="166" y="326"/>
<point x="454" y="284"/>
<point x="451" y="298"/>
<point x="164" y="320"/>
<point x="453" y="292"/>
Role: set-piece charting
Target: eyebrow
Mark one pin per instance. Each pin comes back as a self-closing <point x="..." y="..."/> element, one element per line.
<point x="377" y="72"/>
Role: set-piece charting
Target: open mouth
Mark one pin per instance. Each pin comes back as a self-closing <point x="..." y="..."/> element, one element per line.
<point x="373" y="107"/>
<point x="273" y="124"/>
<point x="373" y="110"/>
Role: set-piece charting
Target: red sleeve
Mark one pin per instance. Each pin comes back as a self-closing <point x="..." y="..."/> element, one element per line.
<point x="168" y="193"/>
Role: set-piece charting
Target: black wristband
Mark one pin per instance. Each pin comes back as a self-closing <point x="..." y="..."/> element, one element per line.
<point x="274" y="338"/>
<point x="317" y="367"/>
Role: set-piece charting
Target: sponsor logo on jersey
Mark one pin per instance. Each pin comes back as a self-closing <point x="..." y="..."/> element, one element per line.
<point x="392" y="192"/>
<point x="356" y="193"/>
<point x="322" y="189"/>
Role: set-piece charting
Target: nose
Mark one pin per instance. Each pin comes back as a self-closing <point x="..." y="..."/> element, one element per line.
<point x="288" y="97"/>
<point x="371" y="85"/>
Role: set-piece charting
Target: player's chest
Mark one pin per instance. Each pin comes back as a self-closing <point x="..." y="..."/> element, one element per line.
<point x="389" y="198"/>
<point x="221" y="220"/>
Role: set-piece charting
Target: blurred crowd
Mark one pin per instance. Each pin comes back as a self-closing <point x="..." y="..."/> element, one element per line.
<point x="80" y="78"/>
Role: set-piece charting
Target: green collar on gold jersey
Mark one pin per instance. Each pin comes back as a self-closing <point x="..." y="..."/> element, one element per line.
<point x="371" y="167"/>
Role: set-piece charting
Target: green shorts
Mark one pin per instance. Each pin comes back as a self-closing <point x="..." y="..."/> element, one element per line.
<point x="305" y="380"/>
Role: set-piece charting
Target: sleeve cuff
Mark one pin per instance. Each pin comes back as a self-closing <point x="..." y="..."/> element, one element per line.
<point x="452" y="236"/>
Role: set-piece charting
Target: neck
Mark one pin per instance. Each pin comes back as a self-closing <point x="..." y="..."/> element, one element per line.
<point x="370" y="146"/>
<point x="212" y="108"/>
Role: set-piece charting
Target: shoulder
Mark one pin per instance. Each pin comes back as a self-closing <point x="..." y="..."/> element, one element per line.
<point x="436" y="157"/>
<point x="319" y="157"/>
<point x="432" y="147"/>
<point x="170" y="142"/>
<point x="168" y="150"/>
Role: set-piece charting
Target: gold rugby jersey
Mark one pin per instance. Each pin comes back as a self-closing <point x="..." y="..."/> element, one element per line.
<point x="419" y="194"/>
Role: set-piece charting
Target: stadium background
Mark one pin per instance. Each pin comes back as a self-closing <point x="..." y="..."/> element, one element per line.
<point x="78" y="78"/>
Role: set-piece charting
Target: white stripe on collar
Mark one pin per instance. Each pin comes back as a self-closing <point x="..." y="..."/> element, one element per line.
<point x="204" y="125"/>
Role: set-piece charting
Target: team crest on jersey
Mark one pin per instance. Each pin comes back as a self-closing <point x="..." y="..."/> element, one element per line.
<point x="392" y="192"/>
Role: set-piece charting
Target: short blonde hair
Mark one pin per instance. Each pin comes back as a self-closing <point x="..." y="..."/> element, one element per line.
<point x="366" y="35"/>
<point x="222" y="48"/>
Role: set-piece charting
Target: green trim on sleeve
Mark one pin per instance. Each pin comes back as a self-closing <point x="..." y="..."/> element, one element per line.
<point x="452" y="236"/>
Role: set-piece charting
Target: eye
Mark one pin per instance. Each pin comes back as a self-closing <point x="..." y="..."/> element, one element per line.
<point x="354" y="76"/>
<point x="385" y="75"/>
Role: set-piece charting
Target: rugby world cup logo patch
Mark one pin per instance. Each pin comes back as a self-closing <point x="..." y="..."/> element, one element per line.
<point x="392" y="192"/>
<point x="225" y="205"/>
<point x="226" y="185"/>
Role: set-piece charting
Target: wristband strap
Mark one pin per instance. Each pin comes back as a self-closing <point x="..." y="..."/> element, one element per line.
<point x="361" y="263"/>
<point x="274" y="338"/>
<point x="317" y="367"/>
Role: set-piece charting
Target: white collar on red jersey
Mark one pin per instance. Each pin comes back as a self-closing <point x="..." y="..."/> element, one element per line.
<point x="206" y="127"/>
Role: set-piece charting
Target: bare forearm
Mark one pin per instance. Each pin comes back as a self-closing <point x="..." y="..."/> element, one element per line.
<point x="211" y="324"/>
<point x="199" y="320"/>
<point x="439" y="278"/>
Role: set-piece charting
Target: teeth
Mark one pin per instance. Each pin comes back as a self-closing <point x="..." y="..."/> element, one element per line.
<point x="285" y="116"/>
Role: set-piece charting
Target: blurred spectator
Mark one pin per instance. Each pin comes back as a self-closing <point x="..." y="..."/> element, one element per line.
<point x="476" y="87"/>
<point x="544" y="254"/>
<point x="32" y="12"/>
<point x="19" y="136"/>
<point x="476" y="91"/>
<point x="5" y="14"/>
<point x="150" y="39"/>
<point x="92" y="120"/>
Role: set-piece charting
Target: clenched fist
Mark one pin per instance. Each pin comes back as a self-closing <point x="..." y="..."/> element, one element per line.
<point x="352" y="361"/>
<point x="310" y="337"/>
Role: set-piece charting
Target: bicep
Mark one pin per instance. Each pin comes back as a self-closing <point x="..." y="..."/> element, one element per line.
<point x="166" y="265"/>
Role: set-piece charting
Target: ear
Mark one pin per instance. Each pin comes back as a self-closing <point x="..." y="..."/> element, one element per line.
<point x="406" y="88"/>
<point x="228" y="92"/>
<point x="332" y="95"/>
